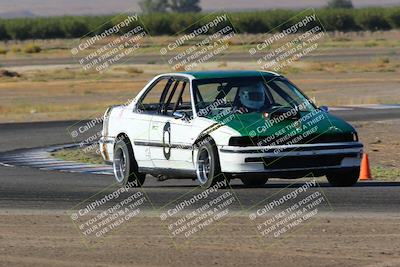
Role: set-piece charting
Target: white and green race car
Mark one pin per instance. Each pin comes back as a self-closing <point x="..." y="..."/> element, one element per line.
<point x="211" y="125"/>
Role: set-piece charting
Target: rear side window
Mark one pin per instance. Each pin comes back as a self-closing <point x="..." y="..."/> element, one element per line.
<point x="178" y="98"/>
<point x="151" y="101"/>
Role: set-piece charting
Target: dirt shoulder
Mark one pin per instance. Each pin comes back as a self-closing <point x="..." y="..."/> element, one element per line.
<point x="351" y="240"/>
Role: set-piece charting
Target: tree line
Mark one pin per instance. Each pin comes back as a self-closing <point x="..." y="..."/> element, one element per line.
<point x="333" y="19"/>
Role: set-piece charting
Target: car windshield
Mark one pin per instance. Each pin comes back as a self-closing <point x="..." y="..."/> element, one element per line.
<point x="247" y="95"/>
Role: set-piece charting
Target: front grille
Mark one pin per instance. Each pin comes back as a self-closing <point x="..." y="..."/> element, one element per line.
<point x="311" y="139"/>
<point x="312" y="161"/>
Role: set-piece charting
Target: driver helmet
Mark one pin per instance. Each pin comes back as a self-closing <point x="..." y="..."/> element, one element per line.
<point x="252" y="96"/>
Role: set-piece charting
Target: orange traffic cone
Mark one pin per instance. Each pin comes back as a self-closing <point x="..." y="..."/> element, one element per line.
<point x="365" y="171"/>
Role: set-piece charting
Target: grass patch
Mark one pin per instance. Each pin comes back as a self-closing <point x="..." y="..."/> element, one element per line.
<point x="385" y="174"/>
<point x="7" y="73"/>
<point x="133" y="70"/>
<point x="15" y="49"/>
<point x="371" y="44"/>
<point x="130" y="69"/>
<point x="32" y="48"/>
<point x="58" y="48"/>
<point x="78" y="155"/>
<point x="341" y="39"/>
<point x="378" y="65"/>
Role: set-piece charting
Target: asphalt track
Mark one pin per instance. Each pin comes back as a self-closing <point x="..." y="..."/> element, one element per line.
<point x="27" y="188"/>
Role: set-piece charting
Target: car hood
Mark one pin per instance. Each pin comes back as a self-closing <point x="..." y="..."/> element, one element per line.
<point x="255" y="124"/>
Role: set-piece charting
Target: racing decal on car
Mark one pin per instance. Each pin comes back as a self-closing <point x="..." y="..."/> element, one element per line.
<point x="210" y="129"/>
<point x="167" y="147"/>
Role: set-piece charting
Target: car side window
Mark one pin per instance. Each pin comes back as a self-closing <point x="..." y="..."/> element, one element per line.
<point x="178" y="99"/>
<point x="150" y="103"/>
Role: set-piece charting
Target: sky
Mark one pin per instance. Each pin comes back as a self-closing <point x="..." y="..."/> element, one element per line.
<point x="83" y="7"/>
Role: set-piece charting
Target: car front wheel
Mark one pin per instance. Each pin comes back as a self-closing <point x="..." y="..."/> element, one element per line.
<point x="208" y="170"/>
<point x="343" y="178"/>
<point x="125" y="166"/>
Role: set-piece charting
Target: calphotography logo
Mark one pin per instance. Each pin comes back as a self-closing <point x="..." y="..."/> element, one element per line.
<point x="108" y="211"/>
<point x="301" y="35"/>
<point x="192" y="215"/>
<point x="113" y="45"/>
<point x="282" y="214"/>
<point x="210" y="39"/>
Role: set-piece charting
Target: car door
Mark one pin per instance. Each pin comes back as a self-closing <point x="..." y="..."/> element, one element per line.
<point x="139" y="121"/>
<point x="172" y="134"/>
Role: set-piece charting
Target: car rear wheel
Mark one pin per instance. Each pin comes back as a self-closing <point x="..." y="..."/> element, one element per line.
<point x="343" y="178"/>
<point x="255" y="181"/>
<point x="125" y="166"/>
<point x="208" y="170"/>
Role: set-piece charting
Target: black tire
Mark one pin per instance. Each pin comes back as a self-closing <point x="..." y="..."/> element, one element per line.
<point x="343" y="178"/>
<point x="255" y="181"/>
<point x="214" y="174"/>
<point x="128" y="174"/>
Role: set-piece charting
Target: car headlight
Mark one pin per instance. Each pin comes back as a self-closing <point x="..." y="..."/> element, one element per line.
<point x="241" y="141"/>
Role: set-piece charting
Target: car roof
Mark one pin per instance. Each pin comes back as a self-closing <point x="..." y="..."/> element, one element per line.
<point x="212" y="74"/>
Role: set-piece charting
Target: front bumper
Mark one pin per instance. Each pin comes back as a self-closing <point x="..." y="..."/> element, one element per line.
<point x="290" y="161"/>
<point x="107" y="149"/>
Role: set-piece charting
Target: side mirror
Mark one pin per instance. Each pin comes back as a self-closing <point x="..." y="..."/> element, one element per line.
<point x="324" y="108"/>
<point x="179" y="115"/>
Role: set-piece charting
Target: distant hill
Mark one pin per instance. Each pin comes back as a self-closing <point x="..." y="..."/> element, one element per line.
<point x="29" y="8"/>
<point x="17" y="14"/>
